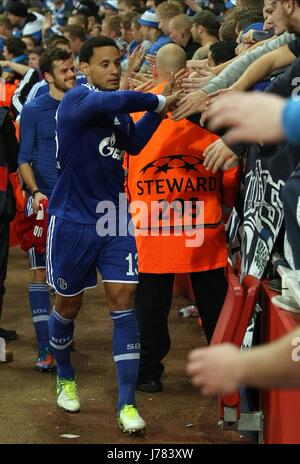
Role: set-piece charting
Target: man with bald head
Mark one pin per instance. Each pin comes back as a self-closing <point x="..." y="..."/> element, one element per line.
<point x="169" y="59"/>
<point x="180" y="33"/>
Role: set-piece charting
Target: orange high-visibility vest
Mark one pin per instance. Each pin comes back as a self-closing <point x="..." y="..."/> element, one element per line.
<point x="169" y="170"/>
<point x="10" y="89"/>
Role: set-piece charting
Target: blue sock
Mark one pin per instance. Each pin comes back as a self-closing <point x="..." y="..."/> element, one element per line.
<point x="61" y="337"/>
<point x="39" y="299"/>
<point x="126" y="353"/>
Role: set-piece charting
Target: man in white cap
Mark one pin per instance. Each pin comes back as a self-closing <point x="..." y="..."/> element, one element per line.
<point x="111" y="7"/>
<point x="150" y="31"/>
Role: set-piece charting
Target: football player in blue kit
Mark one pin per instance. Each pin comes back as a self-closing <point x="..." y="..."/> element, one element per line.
<point x="94" y="130"/>
<point x="37" y="166"/>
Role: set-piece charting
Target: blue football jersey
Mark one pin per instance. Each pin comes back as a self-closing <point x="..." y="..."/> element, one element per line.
<point x="94" y="130"/>
<point x="37" y="137"/>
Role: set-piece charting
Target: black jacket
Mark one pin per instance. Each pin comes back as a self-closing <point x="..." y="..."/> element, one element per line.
<point x="9" y="149"/>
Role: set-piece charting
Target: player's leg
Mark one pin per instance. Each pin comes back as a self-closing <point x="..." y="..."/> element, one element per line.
<point x="153" y="302"/>
<point x="39" y="300"/>
<point x="71" y="268"/>
<point x="118" y="266"/>
<point x="126" y="339"/>
<point x="61" y="329"/>
<point x="126" y="352"/>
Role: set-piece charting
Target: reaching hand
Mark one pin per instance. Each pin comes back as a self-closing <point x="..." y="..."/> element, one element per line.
<point x="136" y="58"/>
<point x="146" y="86"/>
<point x="190" y="104"/>
<point x="241" y="48"/>
<point x="217" y="93"/>
<point x="171" y="101"/>
<point x="142" y="77"/>
<point x="203" y="118"/>
<point x="193" y="5"/>
<point x="253" y="117"/>
<point x="196" y="80"/>
<point x="247" y="37"/>
<point x="170" y="86"/>
<point x="47" y="22"/>
<point x="139" y="79"/>
<point x="38" y="197"/>
<point x="197" y="64"/>
<point x="210" y="98"/>
<point x="151" y="59"/>
<point x="179" y="76"/>
<point x="218" y="156"/>
<point x="216" y="369"/>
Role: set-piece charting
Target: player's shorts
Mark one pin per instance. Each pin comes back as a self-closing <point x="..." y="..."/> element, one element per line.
<point x="75" y="252"/>
<point x="36" y="260"/>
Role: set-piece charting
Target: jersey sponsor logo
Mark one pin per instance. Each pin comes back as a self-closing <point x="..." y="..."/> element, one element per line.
<point x="62" y="283"/>
<point x="107" y="148"/>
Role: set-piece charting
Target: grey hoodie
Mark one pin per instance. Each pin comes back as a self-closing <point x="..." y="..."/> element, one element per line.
<point x="234" y="70"/>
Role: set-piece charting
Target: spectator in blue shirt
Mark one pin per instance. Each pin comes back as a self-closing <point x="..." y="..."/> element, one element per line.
<point x="150" y="30"/>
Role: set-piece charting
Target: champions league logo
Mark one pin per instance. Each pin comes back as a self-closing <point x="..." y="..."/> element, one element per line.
<point x="167" y="163"/>
<point x="174" y="183"/>
<point x="162" y="176"/>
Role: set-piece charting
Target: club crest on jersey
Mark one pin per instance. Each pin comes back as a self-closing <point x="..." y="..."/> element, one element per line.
<point x="107" y="148"/>
<point x="62" y="283"/>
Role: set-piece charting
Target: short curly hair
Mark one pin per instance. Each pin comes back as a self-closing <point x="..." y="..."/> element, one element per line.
<point x="50" y="56"/>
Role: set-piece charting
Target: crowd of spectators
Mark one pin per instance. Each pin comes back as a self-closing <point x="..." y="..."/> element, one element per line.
<point x="235" y="45"/>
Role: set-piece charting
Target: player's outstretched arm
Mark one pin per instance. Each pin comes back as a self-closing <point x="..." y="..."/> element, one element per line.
<point x="83" y="105"/>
